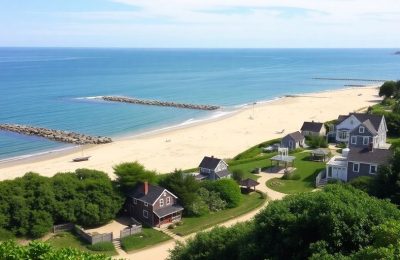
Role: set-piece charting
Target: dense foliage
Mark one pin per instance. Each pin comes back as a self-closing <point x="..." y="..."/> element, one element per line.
<point x="238" y="174"/>
<point x="390" y="89"/>
<point x="199" y="198"/>
<point x="316" y="141"/>
<point x="339" y="221"/>
<point x="39" y="251"/>
<point x="30" y="205"/>
<point x="129" y="174"/>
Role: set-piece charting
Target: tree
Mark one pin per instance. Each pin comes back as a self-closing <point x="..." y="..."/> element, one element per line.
<point x="238" y="174"/>
<point x="129" y="174"/>
<point x="228" y="189"/>
<point x="388" y="89"/>
<point x="334" y="223"/>
<point x="40" y="223"/>
<point x="184" y="186"/>
<point x="212" y="199"/>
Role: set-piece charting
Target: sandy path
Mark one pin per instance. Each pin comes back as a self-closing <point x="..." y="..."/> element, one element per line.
<point x="223" y="138"/>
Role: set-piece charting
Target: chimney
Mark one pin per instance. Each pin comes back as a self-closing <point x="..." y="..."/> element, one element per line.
<point x="145" y="187"/>
<point x="212" y="156"/>
<point x="371" y="147"/>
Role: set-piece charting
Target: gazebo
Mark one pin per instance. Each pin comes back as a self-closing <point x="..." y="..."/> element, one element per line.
<point x="249" y="183"/>
<point x="283" y="157"/>
<point x="320" y="154"/>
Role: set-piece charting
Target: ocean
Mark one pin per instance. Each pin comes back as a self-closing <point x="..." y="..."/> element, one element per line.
<point x="54" y="87"/>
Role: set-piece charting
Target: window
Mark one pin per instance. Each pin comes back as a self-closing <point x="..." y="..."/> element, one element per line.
<point x="145" y="214"/>
<point x="372" y="169"/>
<point x="329" y="171"/>
<point x="365" y="140"/>
<point x="356" y="167"/>
<point x="146" y="204"/>
<point x="361" y="130"/>
<point x="135" y="201"/>
<point x="161" y="202"/>
<point x="168" y="200"/>
<point x="354" y="140"/>
<point x="343" y="135"/>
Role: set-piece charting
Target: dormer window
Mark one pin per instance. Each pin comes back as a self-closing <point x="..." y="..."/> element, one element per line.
<point x="361" y="130"/>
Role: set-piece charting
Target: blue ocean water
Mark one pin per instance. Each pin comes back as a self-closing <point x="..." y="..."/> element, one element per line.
<point x="48" y="86"/>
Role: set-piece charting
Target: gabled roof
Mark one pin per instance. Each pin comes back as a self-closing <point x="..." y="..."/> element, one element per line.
<point x="367" y="124"/>
<point x="312" y="127"/>
<point x="153" y="193"/>
<point x="375" y="120"/>
<point x="248" y="183"/>
<point x="165" y="211"/>
<point x="296" y="136"/>
<point x="377" y="156"/>
<point x="209" y="162"/>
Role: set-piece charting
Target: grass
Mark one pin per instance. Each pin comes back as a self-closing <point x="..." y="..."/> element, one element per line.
<point x="69" y="240"/>
<point x="394" y="141"/>
<point x="255" y="150"/>
<point x="148" y="237"/>
<point x="248" y="167"/>
<point x="194" y="224"/>
<point x="303" y="179"/>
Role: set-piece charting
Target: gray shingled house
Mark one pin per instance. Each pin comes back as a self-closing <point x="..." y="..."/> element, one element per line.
<point x="293" y="141"/>
<point x="313" y="129"/>
<point x="153" y="205"/>
<point x="213" y="169"/>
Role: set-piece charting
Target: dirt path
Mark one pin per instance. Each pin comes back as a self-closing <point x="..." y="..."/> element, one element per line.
<point x="161" y="251"/>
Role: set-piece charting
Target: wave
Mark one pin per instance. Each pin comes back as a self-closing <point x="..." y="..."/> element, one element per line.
<point x="32" y="155"/>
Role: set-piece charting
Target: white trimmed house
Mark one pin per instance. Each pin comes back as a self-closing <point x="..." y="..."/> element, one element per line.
<point x="213" y="169"/>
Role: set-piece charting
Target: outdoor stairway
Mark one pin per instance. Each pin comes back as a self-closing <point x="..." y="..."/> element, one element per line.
<point x="321" y="179"/>
<point x="117" y="244"/>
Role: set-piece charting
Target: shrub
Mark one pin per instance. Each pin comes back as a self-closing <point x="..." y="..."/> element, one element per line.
<point x="5" y="234"/>
<point x="291" y="176"/>
<point x="364" y="183"/>
<point x="228" y="189"/>
<point x="212" y="199"/>
<point x="317" y="142"/>
<point x="198" y="208"/>
<point x="238" y="174"/>
<point x="102" y="247"/>
<point x="171" y="226"/>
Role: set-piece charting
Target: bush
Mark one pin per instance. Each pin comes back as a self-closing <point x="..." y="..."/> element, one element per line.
<point x="171" y="226"/>
<point x="212" y="199"/>
<point x="6" y="235"/>
<point x="228" y="189"/>
<point x="317" y="142"/>
<point x="197" y="208"/>
<point x="238" y="174"/>
<point x="364" y="183"/>
<point x="102" y="247"/>
<point x="291" y="176"/>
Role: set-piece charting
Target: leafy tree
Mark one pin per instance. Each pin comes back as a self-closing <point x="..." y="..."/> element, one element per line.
<point x="184" y="186"/>
<point x="228" y="189"/>
<point x="387" y="182"/>
<point x="129" y="174"/>
<point x="212" y="199"/>
<point x="338" y="222"/>
<point x="317" y="141"/>
<point x="364" y="183"/>
<point x="197" y="207"/>
<point x="388" y="89"/>
<point x="238" y="174"/>
<point x="40" y="223"/>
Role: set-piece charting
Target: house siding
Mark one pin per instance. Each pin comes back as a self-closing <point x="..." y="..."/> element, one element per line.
<point x="289" y="142"/>
<point x="136" y="210"/>
<point x="363" y="171"/>
<point x="168" y="195"/>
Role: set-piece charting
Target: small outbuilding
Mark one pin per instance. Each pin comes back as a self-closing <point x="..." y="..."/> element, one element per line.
<point x="293" y="141"/>
<point x="320" y="154"/>
<point x="313" y="129"/>
<point x="250" y="184"/>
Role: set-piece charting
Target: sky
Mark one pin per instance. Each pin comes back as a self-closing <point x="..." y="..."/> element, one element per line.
<point x="201" y="23"/>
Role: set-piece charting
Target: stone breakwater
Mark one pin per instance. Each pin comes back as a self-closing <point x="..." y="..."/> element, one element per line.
<point x="158" y="103"/>
<point x="55" y="135"/>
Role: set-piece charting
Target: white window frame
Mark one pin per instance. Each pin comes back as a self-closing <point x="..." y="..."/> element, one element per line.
<point x="146" y="204"/>
<point x="145" y="214"/>
<point x="358" y="167"/>
<point x="361" y="128"/>
<point x="168" y="200"/>
<point x="365" y="138"/>
<point x="161" y="202"/>
<point x="353" y="138"/>
<point x="135" y="201"/>
<point x="370" y="168"/>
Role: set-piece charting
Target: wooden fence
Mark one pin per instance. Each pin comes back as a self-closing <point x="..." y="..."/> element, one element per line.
<point x="130" y="231"/>
<point x="90" y="238"/>
<point x="63" y="227"/>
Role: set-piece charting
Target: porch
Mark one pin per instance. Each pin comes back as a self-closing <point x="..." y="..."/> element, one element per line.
<point x="168" y="215"/>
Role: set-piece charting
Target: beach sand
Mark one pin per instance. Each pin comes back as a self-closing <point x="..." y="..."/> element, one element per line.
<point x="184" y="147"/>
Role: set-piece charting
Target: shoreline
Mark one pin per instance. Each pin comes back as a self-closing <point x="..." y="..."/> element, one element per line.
<point x="39" y="163"/>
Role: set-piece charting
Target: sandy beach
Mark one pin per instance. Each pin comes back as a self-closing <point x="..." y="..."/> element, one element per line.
<point x="184" y="147"/>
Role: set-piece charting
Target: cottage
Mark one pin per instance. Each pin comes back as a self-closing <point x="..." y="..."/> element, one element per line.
<point x="293" y="141"/>
<point x="359" y="130"/>
<point x="153" y="205"/>
<point x="313" y="129"/>
<point x="213" y="169"/>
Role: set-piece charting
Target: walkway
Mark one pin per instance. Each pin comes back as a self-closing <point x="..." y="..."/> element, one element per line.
<point x="161" y="251"/>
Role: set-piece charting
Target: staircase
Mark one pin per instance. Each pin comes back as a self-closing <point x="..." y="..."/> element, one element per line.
<point x="322" y="183"/>
<point x="117" y="244"/>
<point x="170" y="233"/>
<point x="321" y="179"/>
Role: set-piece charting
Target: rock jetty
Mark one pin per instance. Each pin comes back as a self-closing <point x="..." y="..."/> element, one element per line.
<point x="158" y="103"/>
<point x="55" y="135"/>
<point x="397" y="53"/>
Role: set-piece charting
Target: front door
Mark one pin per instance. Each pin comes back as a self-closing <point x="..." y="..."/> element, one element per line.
<point x="339" y="173"/>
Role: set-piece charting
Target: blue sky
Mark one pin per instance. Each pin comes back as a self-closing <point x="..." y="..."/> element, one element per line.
<point x="200" y="23"/>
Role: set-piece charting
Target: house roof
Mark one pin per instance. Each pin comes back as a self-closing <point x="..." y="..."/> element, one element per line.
<point x="378" y="156"/>
<point x="375" y="120"/>
<point x="209" y="162"/>
<point x="154" y="192"/>
<point x="312" y="127"/>
<point x="296" y="136"/>
<point x="222" y="173"/>
<point x="248" y="183"/>
<point x="165" y="211"/>
<point x="320" y="151"/>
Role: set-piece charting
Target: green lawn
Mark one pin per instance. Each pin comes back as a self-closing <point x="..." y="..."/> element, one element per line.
<point x="394" y="141"/>
<point x="194" y="224"/>
<point x="67" y="239"/>
<point x="248" y="167"/>
<point x="148" y="237"/>
<point x="303" y="178"/>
